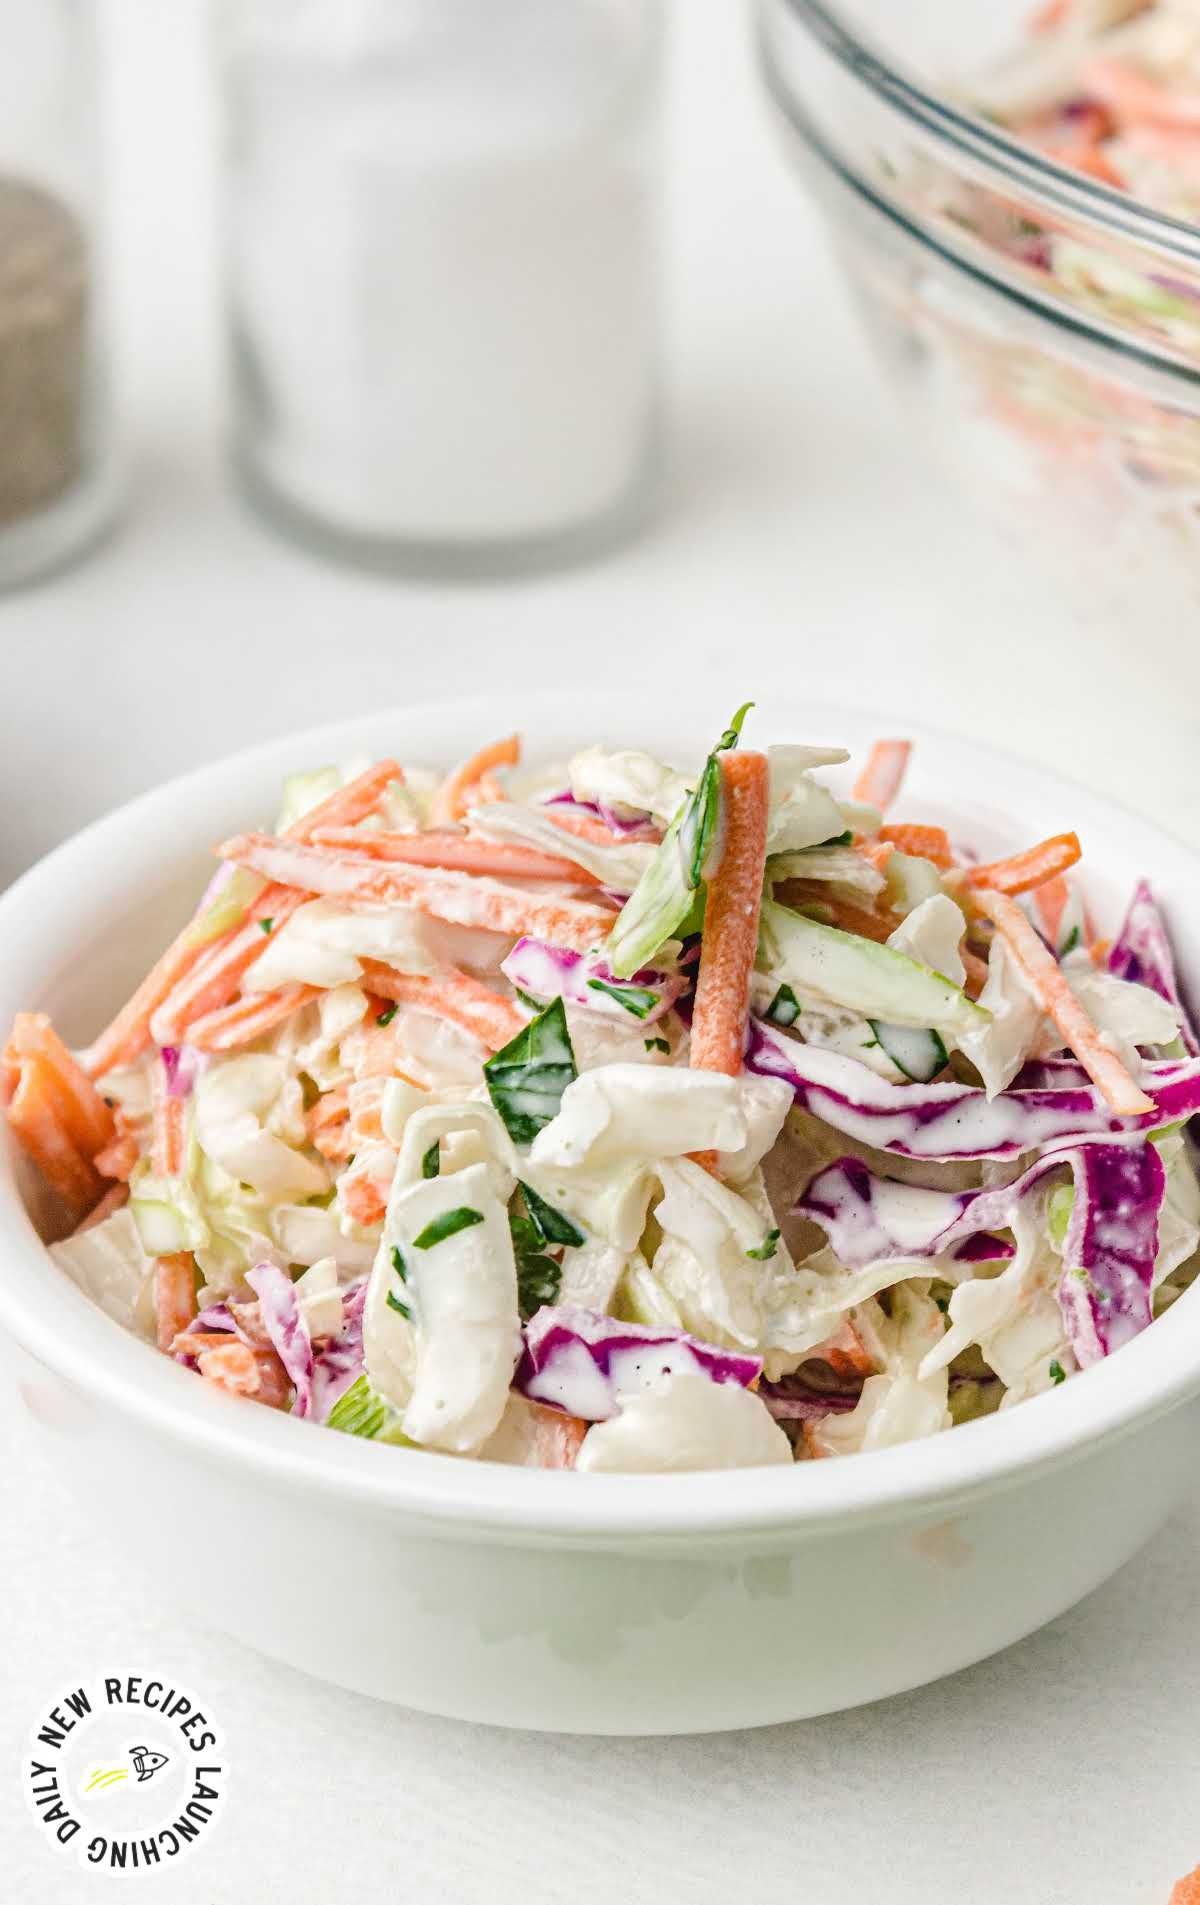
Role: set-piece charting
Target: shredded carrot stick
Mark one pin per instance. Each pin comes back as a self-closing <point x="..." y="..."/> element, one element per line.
<point x="248" y="1018"/>
<point x="452" y="995"/>
<point x="1050" y="902"/>
<point x="556" y="1437"/>
<point x="351" y="803"/>
<point x="454" y="796"/>
<point x="214" y="980"/>
<point x="114" y="1198"/>
<point x="730" y="942"/>
<point x="881" y="778"/>
<point x="1041" y="970"/>
<point x="328" y="1125"/>
<point x="191" y="1342"/>
<point x="852" y="919"/>
<point x="167" y="1125"/>
<point x="455" y="897"/>
<point x="845" y="1352"/>
<point x="588" y="827"/>
<point x="1051" y="14"/>
<point x="1098" y="952"/>
<point x="232" y="1366"/>
<point x="460" y="853"/>
<point x="363" y="1200"/>
<point x="35" y="1115"/>
<point x="1187" y="1891"/>
<point x="1021" y="872"/>
<point x="118" y="1158"/>
<point x="128" y="1035"/>
<point x="876" y="853"/>
<point x="174" y="1296"/>
<point x="84" y="1116"/>
<point x="1134" y="98"/>
<point x="923" y="843"/>
<point x="274" y="1387"/>
<point x="976" y="971"/>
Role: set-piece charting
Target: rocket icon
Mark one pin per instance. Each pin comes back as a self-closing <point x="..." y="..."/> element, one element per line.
<point x="146" y="1763"/>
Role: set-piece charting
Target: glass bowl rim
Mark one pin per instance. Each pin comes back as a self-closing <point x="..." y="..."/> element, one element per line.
<point x="1013" y="164"/>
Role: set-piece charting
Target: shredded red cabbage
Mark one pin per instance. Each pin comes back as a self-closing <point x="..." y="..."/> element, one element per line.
<point x="283" y="1321"/>
<point x="1108" y="1253"/>
<point x="1142" y="952"/>
<point x="945" y="1122"/>
<point x="587" y="1363"/>
<point x="549" y="972"/>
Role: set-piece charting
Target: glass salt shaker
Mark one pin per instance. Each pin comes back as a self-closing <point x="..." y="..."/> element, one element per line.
<point x="57" y="471"/>
<point x="442" y="221"/>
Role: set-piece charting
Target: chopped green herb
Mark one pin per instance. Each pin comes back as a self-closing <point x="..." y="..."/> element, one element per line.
<point x="639" y="1000"/>
<point x="527" y="998"/>
<point x="763" y="1252"/>
<point x="386" y="1016"/>
<point x="265" y="925"/>
<point x="1057" y="1372"/>
<point x="526" y="1080"/>
<point x="1071" y="941"/>
<point x="943" y="1304"/>
<point x="657" y="1044"/>
<point x="438" y="1229"/>
<point x="538" y="1281"/>
<point x="733" y="732"/>
<point x="431" y="1163"/>
<point x="401" y="1268"/>
<point x="839" y="839"/>
<point x="784" y="1008"/>
<point x="553" y="1226"/>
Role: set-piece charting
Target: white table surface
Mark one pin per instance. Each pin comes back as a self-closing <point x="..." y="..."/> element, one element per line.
<point x="795" y="532"/>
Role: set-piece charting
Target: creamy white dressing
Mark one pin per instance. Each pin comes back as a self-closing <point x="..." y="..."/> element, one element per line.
<point x="628" y="780"/>
<point x="233" y="1100"/>
<point x="323" y="944"/>
<point x="686" y="1422"/>
<point x="449" y="1363"/>
<point x="110" y="1266"/>
<point x="619" y="866"/>
<point x="642" y="1111"/>
<point x="932" y="934"/>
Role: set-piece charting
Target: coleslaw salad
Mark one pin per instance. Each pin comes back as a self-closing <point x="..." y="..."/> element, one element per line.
<point x="496" y="1159"/>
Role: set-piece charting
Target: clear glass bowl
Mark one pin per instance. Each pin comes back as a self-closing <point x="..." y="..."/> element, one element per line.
<point x="1068" y="401"/>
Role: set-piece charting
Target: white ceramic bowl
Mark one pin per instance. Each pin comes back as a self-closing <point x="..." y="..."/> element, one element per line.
<point x="590" y="1603"/>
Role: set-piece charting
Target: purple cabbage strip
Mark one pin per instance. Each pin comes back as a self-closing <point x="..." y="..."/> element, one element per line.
<point x="1108" y="1253"/>
<point x="950" y="1121"/>
<point x="983" y="1248"/>
<point x="340" y="1362"/>
<point x="1142" y="952"/>
<point x="641" y="827"/>
<point x="551" y="972"/>
<point x="182" y="1064"/>
<point x="793" y="1400"/>
<point x="284" y="1323"/>
<point x="587" y="1363"/>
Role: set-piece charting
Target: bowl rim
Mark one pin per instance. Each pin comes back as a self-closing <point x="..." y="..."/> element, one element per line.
<point x="61" y="1329"/>
<point x="983" y="142"/>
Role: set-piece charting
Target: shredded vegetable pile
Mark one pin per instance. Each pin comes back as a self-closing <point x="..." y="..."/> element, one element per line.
<point x="1110" y="88"/>
<point x="615" y="1117"/>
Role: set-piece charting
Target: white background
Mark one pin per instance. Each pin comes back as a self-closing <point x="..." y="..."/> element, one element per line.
<point x="796" y="543"/>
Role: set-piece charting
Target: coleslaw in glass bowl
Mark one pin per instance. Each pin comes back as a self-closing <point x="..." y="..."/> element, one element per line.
<point x="613" y="1114"/>
<point x="1014" y="193"/>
